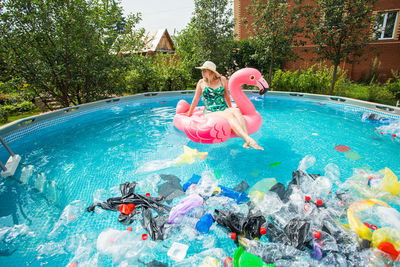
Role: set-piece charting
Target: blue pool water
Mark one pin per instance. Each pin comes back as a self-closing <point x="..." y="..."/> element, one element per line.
<point x="84" y="159"/>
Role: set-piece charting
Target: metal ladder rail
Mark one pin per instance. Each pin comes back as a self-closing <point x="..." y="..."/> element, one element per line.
<point x="12" y="162"/>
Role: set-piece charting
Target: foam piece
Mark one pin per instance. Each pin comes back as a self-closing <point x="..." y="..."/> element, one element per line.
<point x="178" y="251"/>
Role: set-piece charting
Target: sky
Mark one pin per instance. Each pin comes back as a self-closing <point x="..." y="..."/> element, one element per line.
<point x="161" y="14"/>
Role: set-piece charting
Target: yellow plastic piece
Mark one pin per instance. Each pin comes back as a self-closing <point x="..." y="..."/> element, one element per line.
<point x="256" y="196"/>
<point x="363" y="231"/>
<point x="217" y="190"/>
<point x="189" y="156"/>
<point x="387" y="234"/>
<point x="210" y="262"/>
<point x="391" y="183"/>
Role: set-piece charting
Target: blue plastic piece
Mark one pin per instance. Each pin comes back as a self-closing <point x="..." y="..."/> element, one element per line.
<point x="204" y="224"/>
<point x="238" y="196"/>
<point x="194" y="180"/>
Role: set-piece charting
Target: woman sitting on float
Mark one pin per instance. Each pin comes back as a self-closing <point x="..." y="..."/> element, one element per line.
<point x="216" y="121"/>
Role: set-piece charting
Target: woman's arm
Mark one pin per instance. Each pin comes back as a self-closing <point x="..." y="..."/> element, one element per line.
<point x="196" y="98"/>
<point x="226" y="95"/>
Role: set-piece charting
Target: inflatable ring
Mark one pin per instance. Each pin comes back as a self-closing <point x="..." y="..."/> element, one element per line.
<point x="216" y="129"/>
<point x="371" y="232"/>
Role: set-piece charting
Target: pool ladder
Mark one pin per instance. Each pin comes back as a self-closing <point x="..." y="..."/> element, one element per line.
<point x="12" y="162"/>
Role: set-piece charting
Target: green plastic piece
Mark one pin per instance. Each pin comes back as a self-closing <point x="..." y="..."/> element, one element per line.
<point x="274" y="164"/>
<point x="218" y="174"/>
<point x="263" y="185"/>
<point x="352" y="155"/>
<point x="242" y="258"/>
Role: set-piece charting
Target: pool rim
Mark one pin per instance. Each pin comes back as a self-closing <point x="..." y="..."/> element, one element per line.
<point x="7" y="129"/>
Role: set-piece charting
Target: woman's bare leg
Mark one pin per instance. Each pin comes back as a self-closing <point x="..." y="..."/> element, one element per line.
<point x="237" y="128"/>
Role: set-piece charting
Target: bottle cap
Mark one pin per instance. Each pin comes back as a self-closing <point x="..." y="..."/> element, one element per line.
<point x="307" y="198"/>
<point x="317" y="234"/>
<point x="233" y="236"/>
<point x="129" y="229"/>
<point x="148" y="194"/>
<point x="319" y="202"/>
<point x="263" y="231"/>
<point x="144" y="236"/>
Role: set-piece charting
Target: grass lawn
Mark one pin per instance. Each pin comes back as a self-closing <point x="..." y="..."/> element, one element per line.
<point x="12" y="118"/>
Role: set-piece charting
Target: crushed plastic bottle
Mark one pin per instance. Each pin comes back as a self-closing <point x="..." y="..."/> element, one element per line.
<point x="307" y="162"/>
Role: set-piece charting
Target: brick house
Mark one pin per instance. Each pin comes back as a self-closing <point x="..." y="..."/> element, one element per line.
<point x="387" y="43"/>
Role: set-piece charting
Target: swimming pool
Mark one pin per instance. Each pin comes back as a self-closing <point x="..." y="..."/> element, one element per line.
<point x="70" y="162"/>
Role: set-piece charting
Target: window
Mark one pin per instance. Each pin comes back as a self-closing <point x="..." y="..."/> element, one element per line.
<point x="385" y="25"/>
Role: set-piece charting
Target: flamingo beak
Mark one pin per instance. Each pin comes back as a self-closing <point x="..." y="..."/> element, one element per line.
<point x="263" y="85"/>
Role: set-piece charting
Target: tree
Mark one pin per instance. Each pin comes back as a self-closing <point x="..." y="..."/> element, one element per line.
<point x="274" y="28"/>
<point x="208" y="36"/>
<point x="340" y="29"/>
<point x="63" y="48"/>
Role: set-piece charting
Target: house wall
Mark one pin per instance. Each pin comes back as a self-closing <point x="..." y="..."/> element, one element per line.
<point x="386" y="51"/>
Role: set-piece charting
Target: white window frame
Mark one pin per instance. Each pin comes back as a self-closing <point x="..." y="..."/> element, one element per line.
<point x="381" y="37"/>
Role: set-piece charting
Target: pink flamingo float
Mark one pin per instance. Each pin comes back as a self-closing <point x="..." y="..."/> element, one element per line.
<point x="216" y="129"/>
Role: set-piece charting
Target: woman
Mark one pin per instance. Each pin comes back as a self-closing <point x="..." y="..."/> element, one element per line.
<point x="214" y="89"/>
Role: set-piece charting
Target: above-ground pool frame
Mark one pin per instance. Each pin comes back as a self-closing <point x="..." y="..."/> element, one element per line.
<point x="17" y="129"/>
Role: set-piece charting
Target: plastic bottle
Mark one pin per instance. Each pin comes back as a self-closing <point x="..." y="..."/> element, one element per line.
<point x="204" y="224"/>
<point x="184" y="206"/>
<point x="238" y="196"/>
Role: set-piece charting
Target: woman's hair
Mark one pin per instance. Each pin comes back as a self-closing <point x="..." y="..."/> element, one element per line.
<point x="213" y="75"/>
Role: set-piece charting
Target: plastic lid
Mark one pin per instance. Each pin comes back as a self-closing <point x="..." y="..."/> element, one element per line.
<point x="317" y="234"/>
<point x="263" y="231"/>
<point x="233" y="236"/>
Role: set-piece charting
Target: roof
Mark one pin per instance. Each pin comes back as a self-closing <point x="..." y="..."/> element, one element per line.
<point x="158" y="40"/>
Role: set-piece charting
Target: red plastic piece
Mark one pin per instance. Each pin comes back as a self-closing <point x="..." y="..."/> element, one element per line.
<point x="373" y="227"/>
<point x="263" y="231"/>
<point x="145" y="236"/>
<point x="317" y="234"/>
<point x="393" y="135"/>
<point x="233" y="236"/>
<point x="127" y="209"/>
<point x="342" y="148"/>
<point x="129" y="229"/>
<point x="307" y="198"/>
<point x="228" y="262"/>
<point x="367" y="224"/>
<point x="388" y="248"/>
<point x="319" y="202"/>
<point x="148" y="194"/>
<point x="73" y="264"/>
<point x="380" y="132"/>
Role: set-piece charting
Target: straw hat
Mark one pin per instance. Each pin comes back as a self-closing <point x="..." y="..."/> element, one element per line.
<point x="208" y="65"/>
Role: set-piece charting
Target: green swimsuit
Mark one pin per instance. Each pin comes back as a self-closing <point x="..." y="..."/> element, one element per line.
<point x="214" y="98"/>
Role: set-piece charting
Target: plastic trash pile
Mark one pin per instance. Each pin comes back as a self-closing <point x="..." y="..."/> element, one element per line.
<point x="314" y="220"/>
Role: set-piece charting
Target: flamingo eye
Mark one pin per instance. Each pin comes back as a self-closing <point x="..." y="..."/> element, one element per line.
<point x="252" y="77"/>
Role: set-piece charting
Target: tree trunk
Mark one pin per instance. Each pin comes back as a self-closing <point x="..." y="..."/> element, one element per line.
<point x="333" y="78"/>
<point x="271" y="64"/>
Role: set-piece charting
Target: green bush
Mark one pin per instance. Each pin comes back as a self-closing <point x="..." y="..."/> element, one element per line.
<point x="3" y="115"/>
<point x="9" y="108"/>
<point x="161" y="73"/>
<point x="316" y="79"/>
<point x="25" y="106"/>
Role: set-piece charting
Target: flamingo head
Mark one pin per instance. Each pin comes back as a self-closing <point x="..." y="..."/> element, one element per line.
<point x="251" y="76"/>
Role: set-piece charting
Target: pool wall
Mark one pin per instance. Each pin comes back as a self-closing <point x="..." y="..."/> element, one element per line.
<point x="19" y="128"/>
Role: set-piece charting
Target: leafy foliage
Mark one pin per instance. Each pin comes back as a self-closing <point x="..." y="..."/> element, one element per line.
<point x="340" y="29"/>
<point x="274" y="28"/>
<point x="208" y="36"/>
<point x="63" y="48"/>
